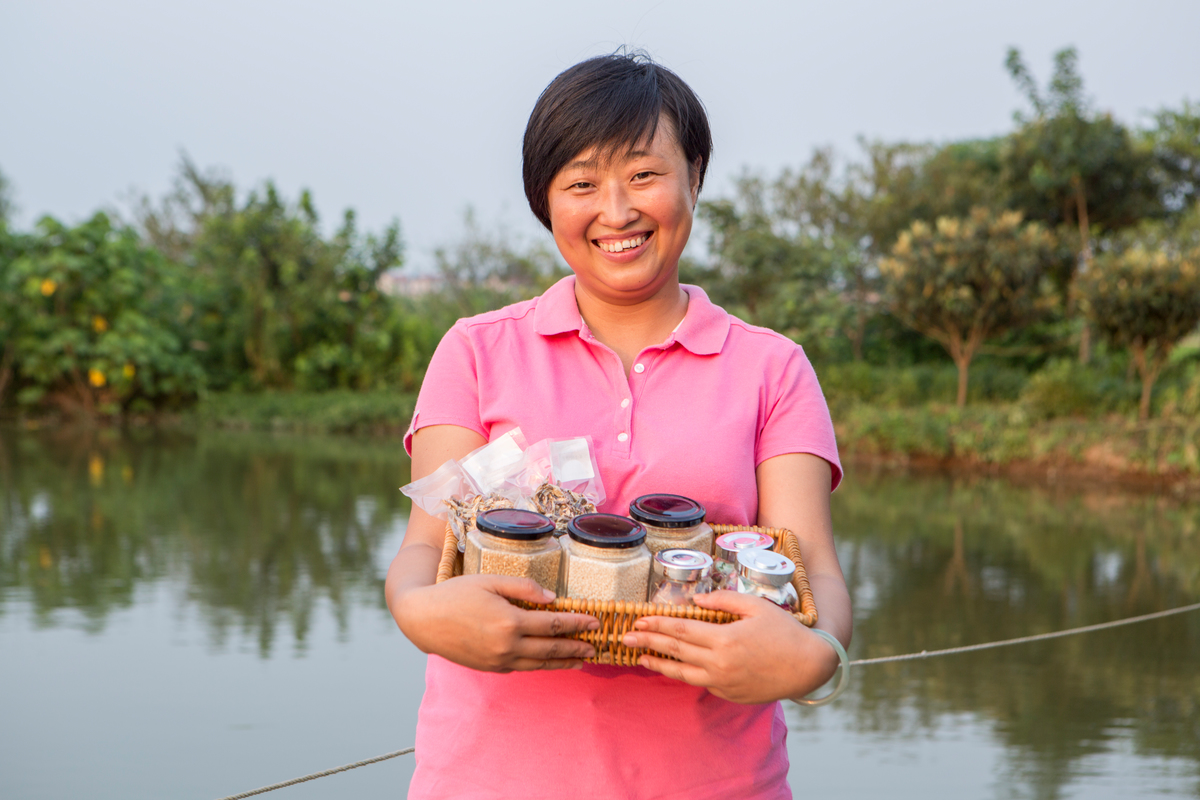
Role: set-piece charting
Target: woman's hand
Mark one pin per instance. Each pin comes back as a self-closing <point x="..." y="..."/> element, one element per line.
<point x="765" y="656"/>
<point x="470" y="621"/>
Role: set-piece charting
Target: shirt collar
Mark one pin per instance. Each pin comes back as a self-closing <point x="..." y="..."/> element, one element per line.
<point x="702" y="332"/>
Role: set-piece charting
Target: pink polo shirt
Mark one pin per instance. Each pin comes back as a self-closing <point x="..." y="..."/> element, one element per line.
<point x="696" y="416"/>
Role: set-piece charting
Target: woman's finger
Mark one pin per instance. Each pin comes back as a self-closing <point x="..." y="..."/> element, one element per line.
<point x="744" y="605"/>
<point x="517" y="588"/>
<point x="542" y="648"/>
<point x="556" y="623"/>
<point x="680" y="671"/>
<point x="691" y="631"/>
<point x="667" y="645"/>
<point x="531" y="664"/>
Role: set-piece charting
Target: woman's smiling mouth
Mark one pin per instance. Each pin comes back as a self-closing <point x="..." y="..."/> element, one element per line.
<point x="621" y="245"/>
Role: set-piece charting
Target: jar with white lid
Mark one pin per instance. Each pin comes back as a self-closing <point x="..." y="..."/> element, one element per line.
<point x="767" y="574"/>
<point x="604" y="558"/>
<point x="672" y="522"/>
<point x="509" y="541"/>
<point x="725" y="550"/>
<point x="676" y="576"/>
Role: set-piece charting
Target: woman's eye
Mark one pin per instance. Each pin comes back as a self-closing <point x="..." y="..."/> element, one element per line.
<point x="641" y="176"/>
<point x="580" y="185"/>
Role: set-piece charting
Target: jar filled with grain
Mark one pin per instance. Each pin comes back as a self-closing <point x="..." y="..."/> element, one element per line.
<point x="676" y="576"/>
<point x="509" y="541"/>
<point x="604" y="558"/>
<point x="767" y="574"/>
<point x="672" y="522"/>
<point x="725" y="550"/>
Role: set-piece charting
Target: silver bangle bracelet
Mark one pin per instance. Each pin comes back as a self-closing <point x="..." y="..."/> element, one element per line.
<point x="843" y="671"/>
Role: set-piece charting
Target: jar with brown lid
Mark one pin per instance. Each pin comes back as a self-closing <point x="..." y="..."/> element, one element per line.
<point x="509" y="541"/>
<point x="604" y="558"/>
<point x="672" y="522"/>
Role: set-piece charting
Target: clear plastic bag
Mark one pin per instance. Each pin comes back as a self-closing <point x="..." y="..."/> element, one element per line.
<point x="558" y="478"/>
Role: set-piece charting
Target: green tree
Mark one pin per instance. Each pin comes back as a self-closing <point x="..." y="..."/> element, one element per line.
<point x="278" y="304"/>
<point x="856" y="212"/>
<point x="93" y="320"/>
<point x="1144" y="294"/>
<point x="1069" y="165"/>
<point x="6" y="201"/>
<point x="1175" y="142"/>
<point x="963" y="281"/>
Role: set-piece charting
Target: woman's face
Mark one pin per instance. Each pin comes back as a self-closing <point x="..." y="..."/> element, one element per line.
<point x="621" y="224"/>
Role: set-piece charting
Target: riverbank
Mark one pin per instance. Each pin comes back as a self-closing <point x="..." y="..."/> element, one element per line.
<point x="986" y="438"/>
<point x="1002" y="438"/>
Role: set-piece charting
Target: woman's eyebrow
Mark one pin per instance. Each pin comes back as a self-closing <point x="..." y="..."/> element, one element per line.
<point x="594" y="162"/>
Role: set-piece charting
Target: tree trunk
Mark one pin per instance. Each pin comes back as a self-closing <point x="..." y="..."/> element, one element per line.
<point x="1085" y="253"/>
<point x="1148" y="368"/>
<point x="6" y="368"/>
<point x="964" y="364"/>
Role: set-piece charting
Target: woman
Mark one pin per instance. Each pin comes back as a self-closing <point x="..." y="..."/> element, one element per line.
<point x="678" y="397"/>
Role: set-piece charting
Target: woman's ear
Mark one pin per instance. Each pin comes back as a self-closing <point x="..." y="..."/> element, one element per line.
<point x="694" y="180"/>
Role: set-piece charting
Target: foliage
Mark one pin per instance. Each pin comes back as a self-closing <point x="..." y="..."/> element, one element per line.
<point x="93" y="320"/>
<point x="278" y="304"/>
<point x="918" y="384"/>
<point x="6" y="201"/>
<point x="1174" y="141"/>
<point x="1144" y="294"/>
<point x="1066" y="388"/>
<point x="330" y="411"/>
<point x="964" y="281"/>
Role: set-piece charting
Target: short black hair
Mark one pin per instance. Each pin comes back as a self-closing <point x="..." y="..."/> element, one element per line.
<point x="610" y="102"/>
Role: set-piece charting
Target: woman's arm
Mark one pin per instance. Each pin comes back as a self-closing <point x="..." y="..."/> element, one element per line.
<point x="469" y="620"/>
<point x="767" y="655"/>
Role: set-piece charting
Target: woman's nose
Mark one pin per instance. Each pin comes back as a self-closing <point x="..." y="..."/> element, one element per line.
<point x="616" y="208"/>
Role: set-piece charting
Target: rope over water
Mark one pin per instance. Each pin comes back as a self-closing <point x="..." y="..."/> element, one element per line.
<point x="1023" y="639"/>
<point x="316" y="775"/>
<point x="860" y="662"/>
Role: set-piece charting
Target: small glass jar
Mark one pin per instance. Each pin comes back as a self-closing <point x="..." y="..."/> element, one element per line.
<point x="604" y="558"/>
<point x="676" y="576"/>
<point x="767" y="574"/>
<point x="509" y="541"/>
<point x="725" y="550"/>
<point x="672" y="522"/>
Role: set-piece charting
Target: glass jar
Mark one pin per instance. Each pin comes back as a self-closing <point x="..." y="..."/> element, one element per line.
<point x="767" y="574"/>
<point x="676" y="576"/>
<point x="725" y="550"/>
<point x="604" y="558"/>
<point x="509" y="541"/>
<point x="672" y="522"/>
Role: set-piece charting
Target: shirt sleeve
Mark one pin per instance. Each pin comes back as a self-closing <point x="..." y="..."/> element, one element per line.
<point x="450" y="392"/>
<point x="797" y="418"/>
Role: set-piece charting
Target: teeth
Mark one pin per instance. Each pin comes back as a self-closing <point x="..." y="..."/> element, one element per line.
<point x="627" y="244"/>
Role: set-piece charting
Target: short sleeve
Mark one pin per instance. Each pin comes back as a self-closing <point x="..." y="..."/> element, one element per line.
<point x="450" y="392"/>
<point x="796" y="418"/>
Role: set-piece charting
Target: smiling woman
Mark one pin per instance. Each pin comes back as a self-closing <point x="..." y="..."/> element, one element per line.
<point x="678" y="397"/>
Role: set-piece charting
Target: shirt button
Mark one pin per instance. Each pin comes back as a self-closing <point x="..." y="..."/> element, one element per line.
<point x="622" y="437"/>
<point x="625" y="403"/>
<point x="639" y="368"/>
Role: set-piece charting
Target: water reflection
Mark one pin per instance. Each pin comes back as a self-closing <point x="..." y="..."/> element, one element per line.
<point x="939" y="562"/>
<point x="260" y="534"/>
<point x="255" y="530"/>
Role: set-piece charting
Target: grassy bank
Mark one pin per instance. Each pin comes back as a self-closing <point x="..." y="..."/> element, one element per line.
<point x="376" y="412"/>
<point x="1005" y="437"/>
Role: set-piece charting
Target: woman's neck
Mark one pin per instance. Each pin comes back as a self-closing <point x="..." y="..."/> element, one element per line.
<point x="630" y="329"/>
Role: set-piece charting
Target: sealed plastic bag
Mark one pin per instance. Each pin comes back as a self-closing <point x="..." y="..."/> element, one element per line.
<point x="558" y="478"/>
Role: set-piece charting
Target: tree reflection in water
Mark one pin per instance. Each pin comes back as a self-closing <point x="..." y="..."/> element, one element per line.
<point x="260" y="533"/>
<point x="256" y="530"/>
<point x="936" y="562"/>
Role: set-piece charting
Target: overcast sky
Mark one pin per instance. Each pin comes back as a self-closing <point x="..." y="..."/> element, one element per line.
<point x="415" y="110"/>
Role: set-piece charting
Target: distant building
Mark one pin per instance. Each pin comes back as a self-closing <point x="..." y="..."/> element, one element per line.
<point x="397" y="284"/>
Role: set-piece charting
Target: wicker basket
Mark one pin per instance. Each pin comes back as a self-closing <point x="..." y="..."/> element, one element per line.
<point x="617" y="617"/>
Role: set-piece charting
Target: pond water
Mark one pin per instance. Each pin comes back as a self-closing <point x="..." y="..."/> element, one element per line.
<point x="195" y="616"/>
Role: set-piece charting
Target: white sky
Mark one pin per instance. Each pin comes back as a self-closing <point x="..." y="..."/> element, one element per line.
<point x="415" y="110"/>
